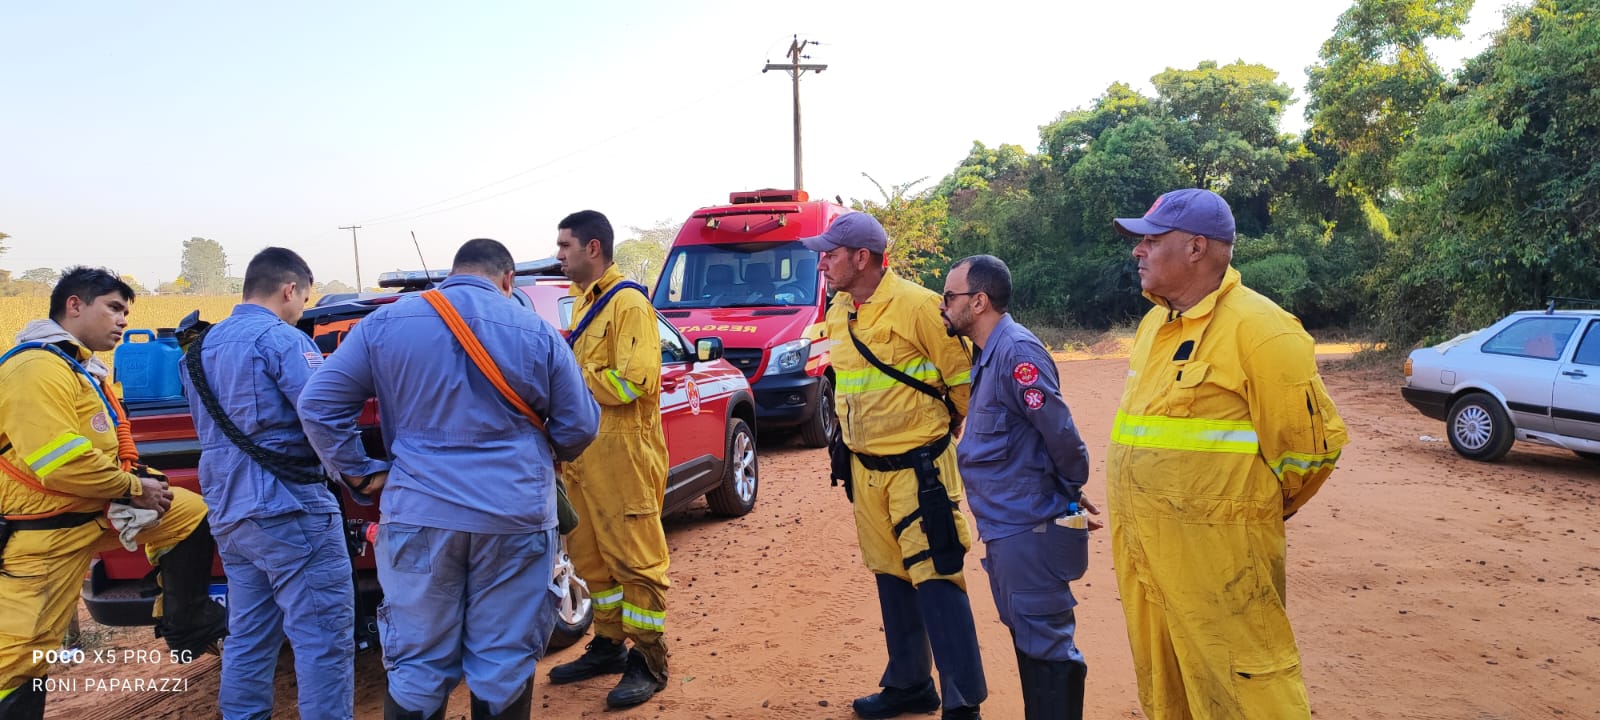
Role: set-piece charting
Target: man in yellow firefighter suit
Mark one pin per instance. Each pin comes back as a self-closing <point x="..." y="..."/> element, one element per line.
<point x="617" y="484"/>
<point x="1223" y="432"/>
<point x="897" y="457"/>
<point x="65" y="456"/>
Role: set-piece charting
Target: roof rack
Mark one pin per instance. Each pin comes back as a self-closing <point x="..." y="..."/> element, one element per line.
<point x="1550" y="303"/>
<point x="405" y="280"/>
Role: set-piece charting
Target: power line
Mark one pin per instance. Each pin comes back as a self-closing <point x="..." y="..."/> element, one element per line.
<point x="795" y="70"/>
<point x="414" y="213"/>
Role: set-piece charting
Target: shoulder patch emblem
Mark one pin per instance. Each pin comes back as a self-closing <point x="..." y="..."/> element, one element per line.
<point x="1033" y="398"/>
<point x="1025" y="373"/>
<point x="313" y="360"/>
<point x="100" y="422"/>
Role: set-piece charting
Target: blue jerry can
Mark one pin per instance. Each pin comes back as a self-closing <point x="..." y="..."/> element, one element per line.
<point x="148" y="368"/>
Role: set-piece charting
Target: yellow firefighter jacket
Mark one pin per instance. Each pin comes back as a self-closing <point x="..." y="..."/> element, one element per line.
<point x="620" y="355"/>
<point x="56" y="431"/>
<point x="900" y="324"/>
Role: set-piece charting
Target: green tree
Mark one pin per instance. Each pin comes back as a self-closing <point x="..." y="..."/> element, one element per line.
<point x="204" y="266"/>
<point x="1372" y="82"/>
<point x="916" y="225"/>
<point x="1501" y="183"/>
<point x="41" y="275"/>
<point x="3" y="247"/>
<point x="641" y="256"/>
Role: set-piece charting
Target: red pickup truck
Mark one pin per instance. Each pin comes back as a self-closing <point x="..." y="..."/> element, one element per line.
<point x="707" y="412"/>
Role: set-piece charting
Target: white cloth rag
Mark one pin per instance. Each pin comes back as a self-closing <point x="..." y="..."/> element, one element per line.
<point x="130" y="521"/>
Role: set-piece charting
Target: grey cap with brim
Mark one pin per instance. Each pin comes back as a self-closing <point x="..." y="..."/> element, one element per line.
<point x="852" y="230"/>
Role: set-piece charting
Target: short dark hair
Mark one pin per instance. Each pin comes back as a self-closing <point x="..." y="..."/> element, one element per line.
<point x="482" y="255"/>
<point x="989" y="275"/>
<point x="273" y="268"/>
<point x="86" y="284"/>
<point x="589" y="225"/>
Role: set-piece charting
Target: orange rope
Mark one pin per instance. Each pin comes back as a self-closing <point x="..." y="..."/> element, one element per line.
<point x="127" y="451"/>
<point x="479" y="355"/>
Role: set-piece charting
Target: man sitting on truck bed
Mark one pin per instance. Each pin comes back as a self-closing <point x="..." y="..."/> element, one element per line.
<point x="66" y="454"/>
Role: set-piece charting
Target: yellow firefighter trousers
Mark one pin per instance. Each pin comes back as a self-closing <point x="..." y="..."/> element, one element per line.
<point x="883" y="499"/>
<point x="44" y="570"/>
<point x="620" y="549"/>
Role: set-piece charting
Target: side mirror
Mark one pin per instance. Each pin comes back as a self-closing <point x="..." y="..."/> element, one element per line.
<point x="708" y="349"/>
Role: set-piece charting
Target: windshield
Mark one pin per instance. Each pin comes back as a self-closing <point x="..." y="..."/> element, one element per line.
<point x="757" y="274"/>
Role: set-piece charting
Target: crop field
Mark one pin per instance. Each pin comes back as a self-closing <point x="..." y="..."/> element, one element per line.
<point x="149" y="312"/>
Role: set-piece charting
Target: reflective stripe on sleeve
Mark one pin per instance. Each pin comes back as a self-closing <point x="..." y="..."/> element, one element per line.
<point x="624" y="388"/>
<point x="1194" y="434"/>
<point x="56" y="453"/>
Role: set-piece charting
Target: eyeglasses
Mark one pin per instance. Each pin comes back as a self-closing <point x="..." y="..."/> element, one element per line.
<point x="949" y="296"/>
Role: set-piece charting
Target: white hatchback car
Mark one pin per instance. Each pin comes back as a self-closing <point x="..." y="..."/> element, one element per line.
<point x="1532" y="376"/>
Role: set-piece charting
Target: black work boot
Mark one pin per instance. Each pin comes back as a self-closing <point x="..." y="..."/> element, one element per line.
<point x="893" y="701"/>
<point x="965" y="712"/>
<point x="393" y="711"/>
<point x="521" y="708"/>
<point x="602" y="656"/>
<point x="638" y="683"/>
<point x="25" y="702"/>
<point x="191" y="622"/>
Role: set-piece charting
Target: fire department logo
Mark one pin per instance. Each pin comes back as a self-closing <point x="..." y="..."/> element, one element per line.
<point x="693" y="391"/>
<point x="1033" y="398"/>
<point x="100" y="422"/>
<point x="1026" y="373"/>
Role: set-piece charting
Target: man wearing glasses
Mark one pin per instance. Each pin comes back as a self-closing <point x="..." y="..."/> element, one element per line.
<point x="902" y="388"/>
<point x="1224" y="431"/>
<point x="1024" y="465"/>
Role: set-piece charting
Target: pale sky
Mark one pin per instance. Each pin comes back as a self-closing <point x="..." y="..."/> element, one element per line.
<point x="130" y="127"/>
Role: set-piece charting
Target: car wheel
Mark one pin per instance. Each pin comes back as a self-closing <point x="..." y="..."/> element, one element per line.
<point x="741" y="473"/>
<point x="819" y="430"/>
<point x="1479" y="428"/>
<point x="575" y="613"/>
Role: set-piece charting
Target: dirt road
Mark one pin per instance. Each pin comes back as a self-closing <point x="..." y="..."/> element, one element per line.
<point x="1421" y="585"/>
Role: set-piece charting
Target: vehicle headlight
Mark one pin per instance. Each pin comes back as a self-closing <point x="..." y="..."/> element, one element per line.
<point x="790" y="356"/>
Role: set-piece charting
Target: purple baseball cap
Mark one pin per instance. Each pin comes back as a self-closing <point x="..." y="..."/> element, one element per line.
<point x="1191" y="210"/>
<point x="851" y="230"/>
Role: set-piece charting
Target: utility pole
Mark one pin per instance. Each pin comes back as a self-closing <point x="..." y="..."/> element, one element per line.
<point x="795" y="70"/>
<point x="357" y="248"/>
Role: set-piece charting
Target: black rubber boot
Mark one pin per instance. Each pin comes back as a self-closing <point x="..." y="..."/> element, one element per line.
<point x="602" y="656"/>
<point x="947" y="613"/>
<point x="520" y="708"/>
<point x="965" y="712"/>
<point x="906" y="640"/>
<point x="393" y="711"/>
<point x="191" y="622"/>
<point x="638" y="684"/>
<point x="24" y="703"/>
<point x="1051" y="690"/>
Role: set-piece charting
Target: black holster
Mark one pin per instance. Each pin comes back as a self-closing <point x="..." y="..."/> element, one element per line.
<point x="839" y="459"/>
<point x="935" y="510"/>
<point x="55" y="522"/>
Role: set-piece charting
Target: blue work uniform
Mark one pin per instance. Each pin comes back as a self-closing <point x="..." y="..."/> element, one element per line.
<point x="467" y="540"/>
<point x="281" y="542"/>
<point x="1024" y="463"/>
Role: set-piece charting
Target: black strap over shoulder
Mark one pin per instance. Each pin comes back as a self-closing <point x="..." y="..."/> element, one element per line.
<point x="286" y="467"/>
<point x="915" y="384"/>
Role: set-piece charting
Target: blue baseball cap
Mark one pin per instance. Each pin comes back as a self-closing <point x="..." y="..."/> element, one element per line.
<point x="851" y="230"/>
<point x="1191" y="210"/>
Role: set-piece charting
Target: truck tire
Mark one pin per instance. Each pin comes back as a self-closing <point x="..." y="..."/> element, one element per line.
<point x="576" y="612"/>
<point x="825" y="421"/>
<point x="1479" y="428"/>
<point x="741" y="473"/>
